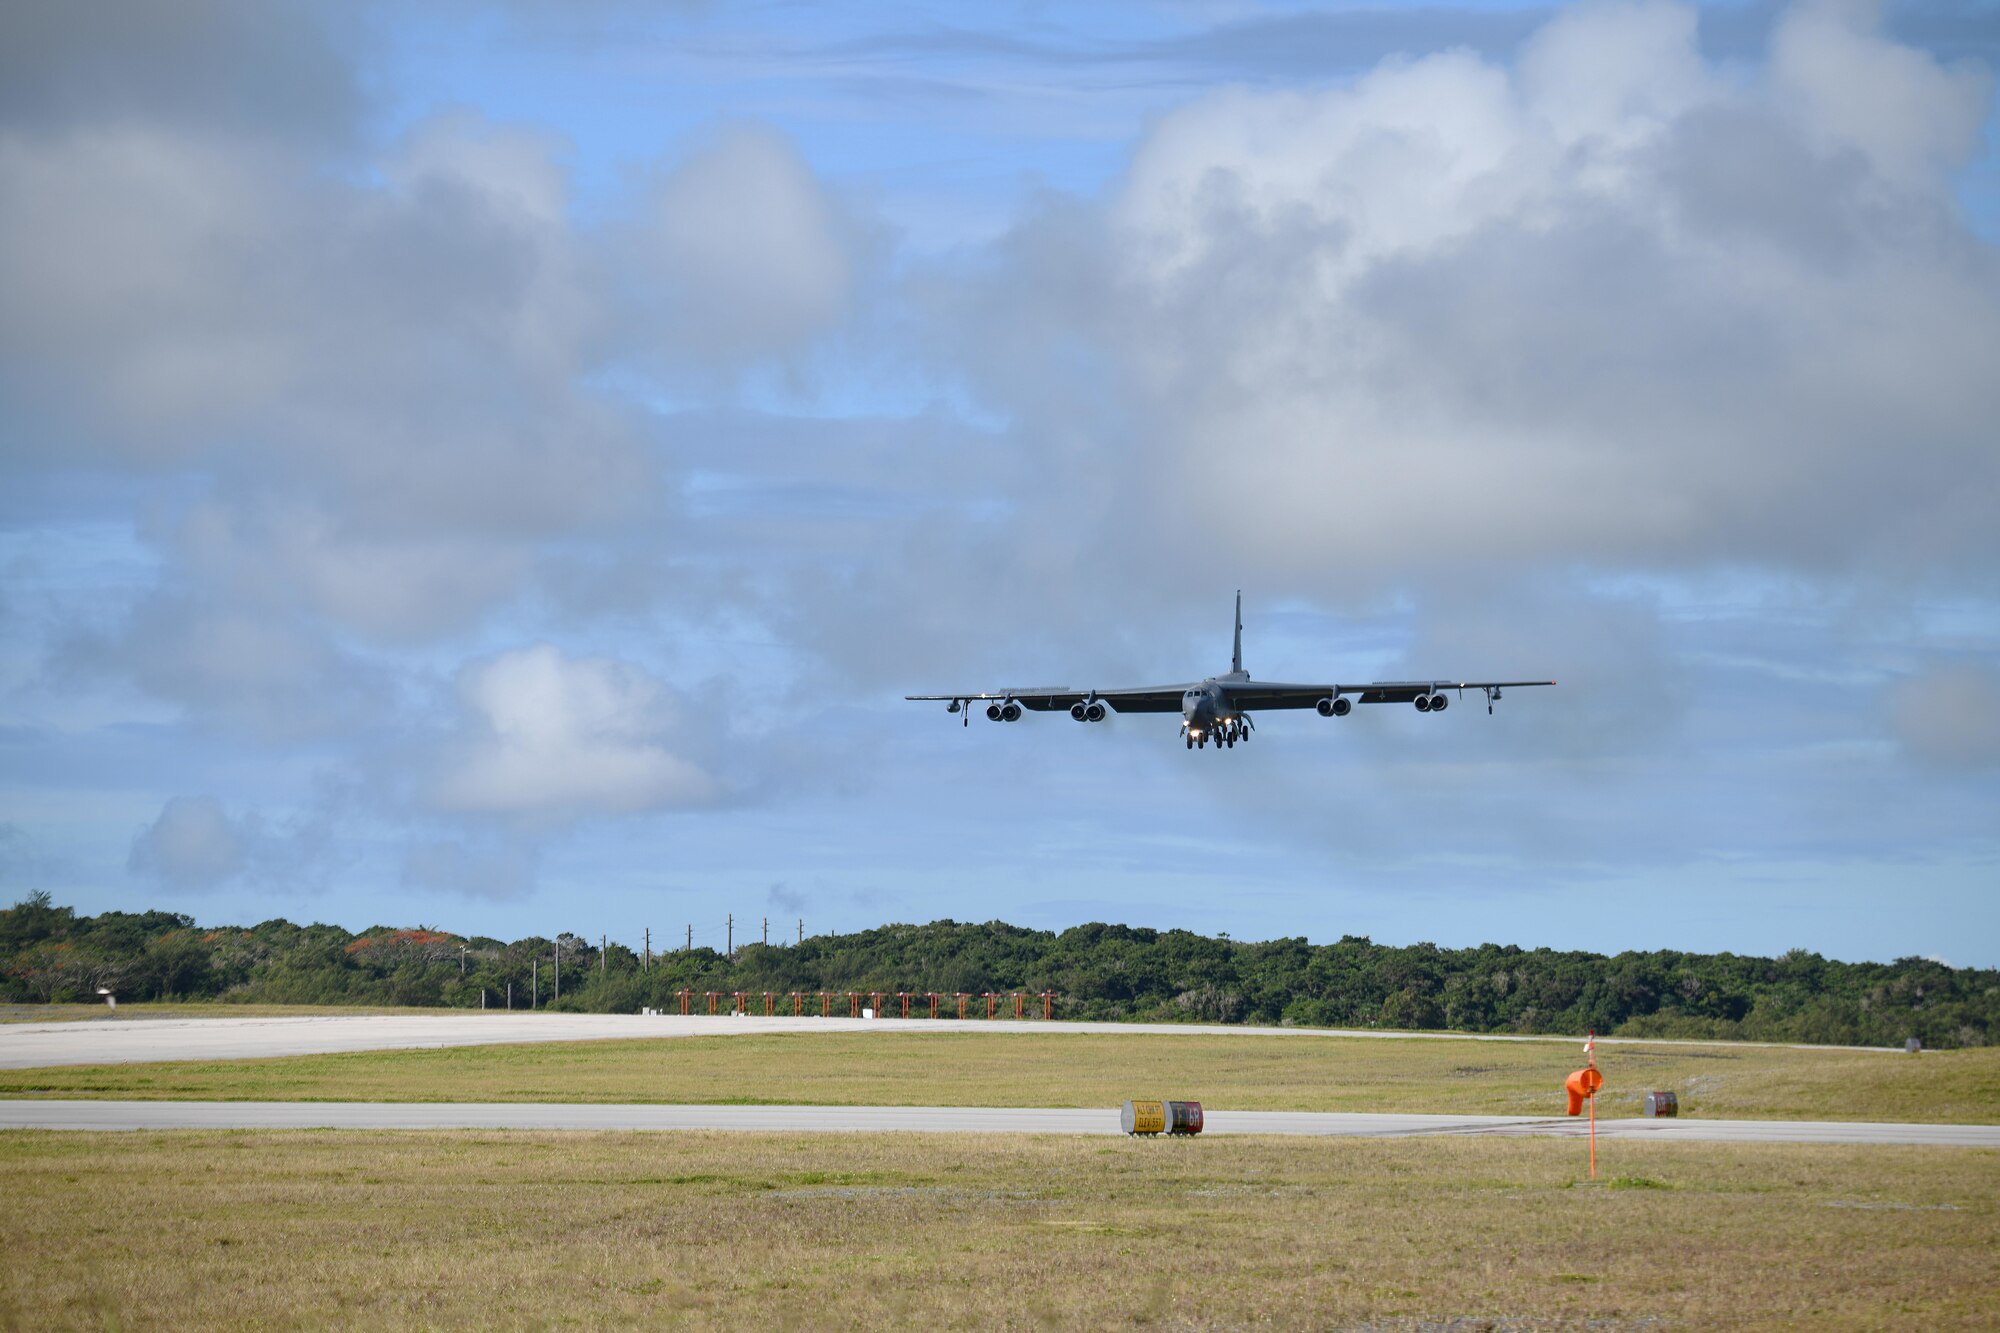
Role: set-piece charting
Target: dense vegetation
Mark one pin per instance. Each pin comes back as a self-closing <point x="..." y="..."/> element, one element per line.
<point x="49" y="953"/>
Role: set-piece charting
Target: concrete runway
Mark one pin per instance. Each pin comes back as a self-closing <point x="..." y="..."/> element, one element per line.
<point x="107" y="1115"/>
<point x="141" y="1039"/>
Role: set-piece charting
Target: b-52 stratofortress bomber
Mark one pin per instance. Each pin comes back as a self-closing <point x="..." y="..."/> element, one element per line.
<point x="1218" y="709"/>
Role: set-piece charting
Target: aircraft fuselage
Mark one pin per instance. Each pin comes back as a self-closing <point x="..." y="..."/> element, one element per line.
<point x="1207" y="710"/>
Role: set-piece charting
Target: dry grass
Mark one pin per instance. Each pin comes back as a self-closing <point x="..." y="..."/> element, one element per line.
<point x="278" y="1229"/>
<point x="1023" y="1069"/>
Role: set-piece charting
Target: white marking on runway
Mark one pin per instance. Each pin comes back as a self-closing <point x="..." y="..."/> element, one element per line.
<point x="108" y="1115"/>
<point x="95" y="1042"/>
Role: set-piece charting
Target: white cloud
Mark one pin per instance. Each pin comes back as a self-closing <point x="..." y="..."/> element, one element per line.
<point x="741" y="254"/>
<point x="194" y="844"/>
<point x="1603" y="305"/>
<point x="556" y="736"/>
<point x="380" y="380"/>
<point x="1911" y="116"/>
<point x="268" y="673"/>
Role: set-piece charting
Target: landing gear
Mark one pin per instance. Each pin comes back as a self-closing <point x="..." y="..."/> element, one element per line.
<point x="1189" y="738"/>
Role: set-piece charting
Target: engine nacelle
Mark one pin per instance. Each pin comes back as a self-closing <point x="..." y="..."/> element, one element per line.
<point x="1338" y="706"/>
<point x="1439" y="703"/>
<point x="1003" y="710"/>
<point x="1087" y="710"/>
<point x="1423" y="702"/>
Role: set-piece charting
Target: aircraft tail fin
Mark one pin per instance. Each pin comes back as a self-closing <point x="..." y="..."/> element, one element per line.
<point x="1236" y="657"/>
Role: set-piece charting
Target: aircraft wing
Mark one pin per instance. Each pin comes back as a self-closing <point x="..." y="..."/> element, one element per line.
<point x="1267" y="694"/>
<point x="1059" y="698"/>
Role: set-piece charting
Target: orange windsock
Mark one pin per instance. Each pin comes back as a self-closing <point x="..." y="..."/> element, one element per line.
<point x="1583" y="1083"/>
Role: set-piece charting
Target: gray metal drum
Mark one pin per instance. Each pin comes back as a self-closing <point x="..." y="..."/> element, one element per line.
<point x="1659" y="1103"/>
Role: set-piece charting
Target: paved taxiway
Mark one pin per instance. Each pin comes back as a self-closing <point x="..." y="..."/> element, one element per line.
<point x="107" y="1115"/>
<point x="136" y="1040"/>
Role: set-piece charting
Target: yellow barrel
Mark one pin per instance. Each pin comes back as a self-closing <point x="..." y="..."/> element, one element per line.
<point x="1144" y="1117"/>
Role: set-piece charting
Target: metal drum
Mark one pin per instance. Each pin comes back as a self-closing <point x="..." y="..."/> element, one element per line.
<point x="1143" y="1117"/>
<point x="1161" y="1118"/>
<point x="1660" y="1103"/>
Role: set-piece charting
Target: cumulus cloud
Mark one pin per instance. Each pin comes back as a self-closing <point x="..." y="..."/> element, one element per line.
<point x="740" y="254"/>
<point x="200" y="63"/>
<point x="378" y="372"/>
<point x="1948" y="716"/>
<point x="268" y="674"/>
<point x="555" y="736"/>
<point x="1606" y="303"/>
<point x="193" y="844"/>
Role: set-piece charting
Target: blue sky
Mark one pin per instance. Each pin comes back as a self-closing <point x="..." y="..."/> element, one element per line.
<point x="500" y="466"/>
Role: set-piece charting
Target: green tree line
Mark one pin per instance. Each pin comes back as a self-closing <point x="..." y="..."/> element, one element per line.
<point x="50" y="954"/>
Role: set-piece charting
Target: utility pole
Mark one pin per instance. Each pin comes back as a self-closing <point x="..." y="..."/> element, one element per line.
<point x="603" y="957"/>
<point x="535" y="984"/>
<point x="802" y="930"/>
<point x="731" y="937"/>
<point x="767" y="931"/>
<point x="558" y="994"/>
<point x="510" y="995"/>
<point x="690" y="947"/>
<point x="461" y="966"/>
<point x="647" y="966"/>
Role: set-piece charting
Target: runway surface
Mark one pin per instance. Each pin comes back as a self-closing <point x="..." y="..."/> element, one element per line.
<point x="104" y="1115"/>
<point x="137" y="1040"/>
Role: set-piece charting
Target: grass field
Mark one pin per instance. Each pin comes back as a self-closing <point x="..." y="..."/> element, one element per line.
<point x="1022" y="1069"/>
<point x="200" y="1230"/>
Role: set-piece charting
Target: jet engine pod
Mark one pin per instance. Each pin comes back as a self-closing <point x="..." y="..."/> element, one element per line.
<point x="1337" y="706"/>
<point x="1010" y="711"/>
<point x="1079" y="711"/>
<point x="1439" y="703"/>
<point x="1087" y="710"/>
<point x="1423" y="703"/>
<point x="993" y="712"/>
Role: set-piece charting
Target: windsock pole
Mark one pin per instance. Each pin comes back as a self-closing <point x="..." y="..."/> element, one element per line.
<point x="1590" y="1050"/>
